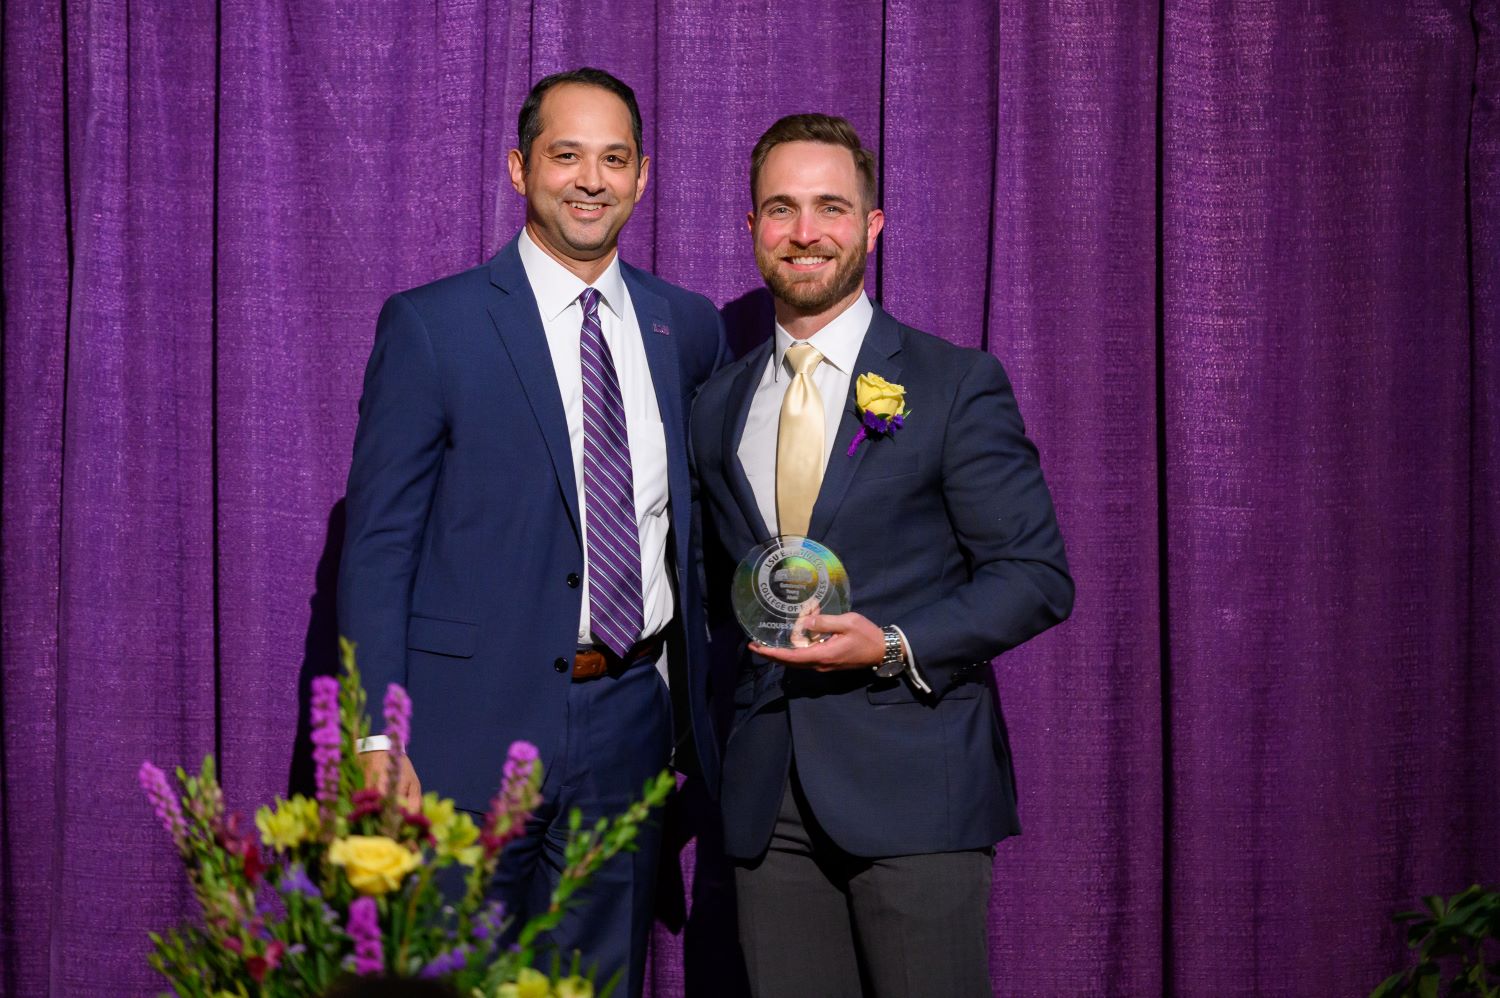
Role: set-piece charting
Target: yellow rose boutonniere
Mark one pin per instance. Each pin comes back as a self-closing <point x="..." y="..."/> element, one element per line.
<point x="374" y="864"/>
<point x="882" y="408"/>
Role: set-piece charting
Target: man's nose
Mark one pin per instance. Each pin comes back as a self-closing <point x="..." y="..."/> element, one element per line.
<point x="805" y="230"/>
<point x="589" y="178"/>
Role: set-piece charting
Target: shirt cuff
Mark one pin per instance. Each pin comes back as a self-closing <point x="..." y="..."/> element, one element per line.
<point x="374" y="743"/>
<point x="917" y="679"/>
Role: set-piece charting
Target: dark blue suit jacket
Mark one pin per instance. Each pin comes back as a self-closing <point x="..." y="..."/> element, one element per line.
<point x="462" y="551"/>
<point x="947" y="530"/>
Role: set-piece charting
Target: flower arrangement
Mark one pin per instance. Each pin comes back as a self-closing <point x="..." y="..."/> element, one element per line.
<point x="881" y="407"/>
<point x="344" y="883"/>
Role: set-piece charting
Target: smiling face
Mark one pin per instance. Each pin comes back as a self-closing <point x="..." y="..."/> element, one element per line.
<point x="812" y="232"/>
<point x="583" y="177"/>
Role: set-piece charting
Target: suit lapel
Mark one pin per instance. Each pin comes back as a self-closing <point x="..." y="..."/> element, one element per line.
<point x="519" y="323"/>
<point x="736" y="412"/>
<point x="653" y="316"/>
<point x="879" y="354"/>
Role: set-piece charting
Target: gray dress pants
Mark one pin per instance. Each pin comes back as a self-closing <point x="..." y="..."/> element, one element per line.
<point x="817" y="922"/>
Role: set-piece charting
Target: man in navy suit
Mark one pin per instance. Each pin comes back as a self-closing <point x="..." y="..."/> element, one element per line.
<point x="866" y="778"/>
<point x="520" y="515"/>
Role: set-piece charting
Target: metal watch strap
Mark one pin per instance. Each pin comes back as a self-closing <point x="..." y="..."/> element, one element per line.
<point x="893" y="662"/>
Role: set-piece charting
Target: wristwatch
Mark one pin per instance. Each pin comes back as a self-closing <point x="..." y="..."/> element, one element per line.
<point x="893" y="663"/>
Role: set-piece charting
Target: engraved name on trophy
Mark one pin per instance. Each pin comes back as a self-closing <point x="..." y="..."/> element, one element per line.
<point x="781" y="583"/>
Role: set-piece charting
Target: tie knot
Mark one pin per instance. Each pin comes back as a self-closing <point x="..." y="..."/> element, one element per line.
<point x="590" y="301"/>
<point x="803" y="357"/>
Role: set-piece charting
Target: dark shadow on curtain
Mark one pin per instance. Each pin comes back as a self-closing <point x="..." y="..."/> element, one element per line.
<point x="748" y="320"/>
<point x="711" y="963"/>
<point x="320" y="649"/>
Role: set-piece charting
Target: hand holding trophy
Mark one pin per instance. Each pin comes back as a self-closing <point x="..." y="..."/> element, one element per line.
<point x="782" y="583"/>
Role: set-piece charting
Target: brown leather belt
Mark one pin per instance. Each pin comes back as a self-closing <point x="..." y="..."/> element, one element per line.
<point x="593" y="662"/>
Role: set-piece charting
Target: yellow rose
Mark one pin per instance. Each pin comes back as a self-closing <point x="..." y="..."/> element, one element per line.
<point x="530" y="984"/>
<point x="292" y="823"/>
<point x="876" y="395"/>
<point x="374" y="864"/>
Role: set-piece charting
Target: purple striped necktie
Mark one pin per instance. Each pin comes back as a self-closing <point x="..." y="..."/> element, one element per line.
<point x="614" y="543"/>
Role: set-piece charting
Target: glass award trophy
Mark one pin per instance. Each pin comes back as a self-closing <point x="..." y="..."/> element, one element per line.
<point x="781" y="583"/>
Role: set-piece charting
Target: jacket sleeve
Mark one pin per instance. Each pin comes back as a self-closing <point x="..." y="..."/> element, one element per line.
<point x="1003" y="520"/>
<point x="398" y="449"/>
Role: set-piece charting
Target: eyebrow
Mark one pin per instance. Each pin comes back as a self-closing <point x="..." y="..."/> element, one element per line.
<point x="787" y="199"/>
<point x="576" y="144"/>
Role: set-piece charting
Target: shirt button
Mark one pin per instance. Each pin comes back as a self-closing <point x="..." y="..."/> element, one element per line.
<point x="561" y="665"/>
<point x="572" y="580"/>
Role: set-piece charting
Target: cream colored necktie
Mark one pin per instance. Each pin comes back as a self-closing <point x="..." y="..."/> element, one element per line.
<point x="799" y="442"/>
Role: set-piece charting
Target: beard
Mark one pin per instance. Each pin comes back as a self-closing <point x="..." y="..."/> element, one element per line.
<point x="811" y="295"/>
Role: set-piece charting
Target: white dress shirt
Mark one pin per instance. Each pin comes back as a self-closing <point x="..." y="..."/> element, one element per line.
<point x="556" y="290"/>
<point x="839" y="343"/>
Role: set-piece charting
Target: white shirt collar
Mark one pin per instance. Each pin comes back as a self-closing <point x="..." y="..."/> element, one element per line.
<point x="838" y="342"/>
<point x="556" y="287"/>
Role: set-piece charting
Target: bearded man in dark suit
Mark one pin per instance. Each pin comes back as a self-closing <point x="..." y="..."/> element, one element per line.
<point x="867" y="777"/>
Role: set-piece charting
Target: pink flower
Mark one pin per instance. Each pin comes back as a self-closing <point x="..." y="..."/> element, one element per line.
<point x="259" y="966"/>
<point x="366" y="802"/>
<point x="254" y="865"/>
<point x="236" y="843"/>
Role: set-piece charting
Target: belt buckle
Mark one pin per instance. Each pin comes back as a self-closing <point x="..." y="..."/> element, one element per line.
<point x="589" y="663"/>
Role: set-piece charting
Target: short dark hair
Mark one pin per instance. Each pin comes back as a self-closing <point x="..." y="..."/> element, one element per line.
<point x="529" y="125"/>
<point x="816" y="128"/>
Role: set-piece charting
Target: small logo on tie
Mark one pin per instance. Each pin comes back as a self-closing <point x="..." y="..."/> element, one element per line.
<point x="661" y="327"/>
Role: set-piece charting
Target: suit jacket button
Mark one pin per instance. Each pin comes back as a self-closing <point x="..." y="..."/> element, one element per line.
<point x="572" y="580"/>
<point x="561" y="665"/>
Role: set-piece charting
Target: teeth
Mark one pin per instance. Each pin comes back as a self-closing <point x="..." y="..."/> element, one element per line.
<point x="586" y="206"/>
<point x="808" y="261"/>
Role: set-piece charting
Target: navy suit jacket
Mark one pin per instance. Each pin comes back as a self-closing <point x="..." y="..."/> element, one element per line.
<point x="947" y="530"/>
<point x="462" y="553"/>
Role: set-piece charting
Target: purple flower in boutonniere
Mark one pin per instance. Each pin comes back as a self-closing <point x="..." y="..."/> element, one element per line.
<point x="881" y="407"/>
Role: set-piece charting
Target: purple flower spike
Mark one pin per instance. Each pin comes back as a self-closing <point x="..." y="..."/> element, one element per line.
<point x="364" y="929"/>
<point x="517" y="798"/>
<point x="325" y="736"/>
<point x="168" y="810"/>
<point x="519" y="760"/>
<point x="397" y="717"/>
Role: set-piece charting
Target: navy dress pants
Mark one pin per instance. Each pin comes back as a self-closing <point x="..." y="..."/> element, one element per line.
<point x="619" y="735"/>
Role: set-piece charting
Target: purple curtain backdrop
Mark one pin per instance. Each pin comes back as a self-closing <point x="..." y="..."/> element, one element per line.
<point x="1242" y="262"/>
